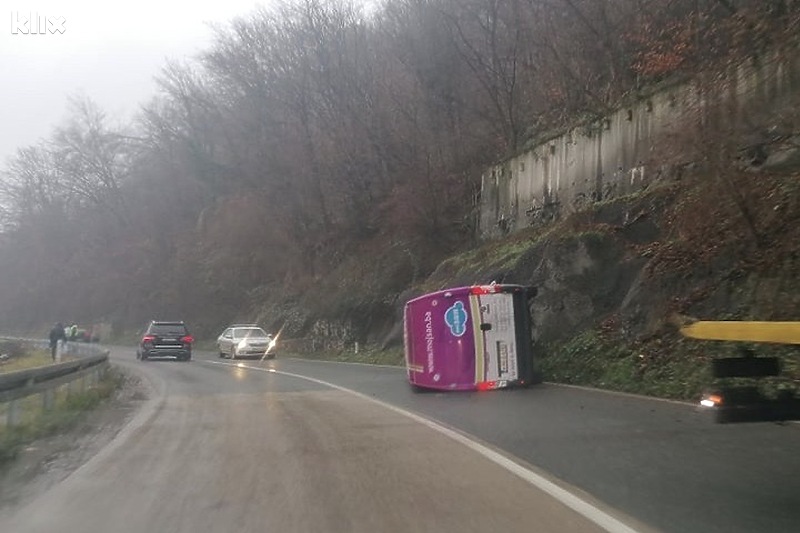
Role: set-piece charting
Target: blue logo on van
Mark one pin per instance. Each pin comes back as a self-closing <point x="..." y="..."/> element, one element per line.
<point x="456" y="319"/>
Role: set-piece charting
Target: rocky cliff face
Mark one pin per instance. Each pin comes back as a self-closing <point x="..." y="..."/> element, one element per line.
<point x="580" y="279"/>
<point x="631" y="264"/>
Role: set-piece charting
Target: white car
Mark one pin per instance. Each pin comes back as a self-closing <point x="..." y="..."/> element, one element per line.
<point x="246" y="340"/>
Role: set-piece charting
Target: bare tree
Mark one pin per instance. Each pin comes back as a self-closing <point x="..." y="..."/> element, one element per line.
<point x="93" y="158"/>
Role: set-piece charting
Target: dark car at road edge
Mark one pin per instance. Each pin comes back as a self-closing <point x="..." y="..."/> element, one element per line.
<point x="165" y="339"/>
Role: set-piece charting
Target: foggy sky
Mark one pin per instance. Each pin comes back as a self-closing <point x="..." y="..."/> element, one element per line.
<point x="109" y="51"/>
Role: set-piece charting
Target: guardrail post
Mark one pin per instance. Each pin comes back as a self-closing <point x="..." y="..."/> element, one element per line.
<point x="13" y="413"/>
<point x="48" y="399"/>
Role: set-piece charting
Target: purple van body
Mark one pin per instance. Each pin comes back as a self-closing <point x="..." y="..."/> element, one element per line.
<point x="441" y="329"/>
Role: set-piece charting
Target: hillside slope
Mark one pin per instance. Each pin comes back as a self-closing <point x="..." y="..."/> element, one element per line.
<point x="611" y="281"/>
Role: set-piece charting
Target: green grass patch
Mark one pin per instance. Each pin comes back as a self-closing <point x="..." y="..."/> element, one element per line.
<point x="666" y="366"/>
<point x="35" y="422"/>
<point x="494" y="255"/>
<point x="590" y="359"/>
<point x="33" y="358"/>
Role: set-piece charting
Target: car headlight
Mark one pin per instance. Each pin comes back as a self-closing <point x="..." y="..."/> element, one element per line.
<point x="711" y="400"/>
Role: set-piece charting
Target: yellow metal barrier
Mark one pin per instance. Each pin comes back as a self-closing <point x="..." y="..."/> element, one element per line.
<point x="729" y="330"/>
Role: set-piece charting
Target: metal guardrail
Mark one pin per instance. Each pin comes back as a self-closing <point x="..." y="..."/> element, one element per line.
<point x="14" y="386"/>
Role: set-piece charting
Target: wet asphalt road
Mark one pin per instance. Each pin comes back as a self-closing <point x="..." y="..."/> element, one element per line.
<point x="664" y="463"/>
<point x="223" y="448"/>
<point x="228" y="449"/>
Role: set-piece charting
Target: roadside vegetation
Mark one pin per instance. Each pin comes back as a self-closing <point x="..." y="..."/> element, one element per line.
<point x="69" y="408"/>
<point x="666" y="366"/>
<point x="19" y="357"/>
<point x="592" y="359"/>
<point x="33" y="360"/>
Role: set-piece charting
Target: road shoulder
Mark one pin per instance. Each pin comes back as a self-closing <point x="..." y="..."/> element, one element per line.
<point x="49" y="460"/>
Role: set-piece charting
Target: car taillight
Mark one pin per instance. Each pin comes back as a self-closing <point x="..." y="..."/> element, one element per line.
<point x="483" y="289"/>
<point x="148" y="338"/>
<point x="486" y="385"/>
<point x="188" y="339"/>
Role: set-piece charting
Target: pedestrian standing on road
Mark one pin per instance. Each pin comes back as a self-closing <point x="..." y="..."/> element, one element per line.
<point x="56" y="334"/>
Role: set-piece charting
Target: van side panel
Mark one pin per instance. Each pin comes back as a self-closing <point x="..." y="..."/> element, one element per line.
<point x="440" y="341"/>
<point x="470" y="338"/>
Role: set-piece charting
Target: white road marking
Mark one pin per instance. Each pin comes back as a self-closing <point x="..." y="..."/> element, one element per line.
<point x="577" y="504"/>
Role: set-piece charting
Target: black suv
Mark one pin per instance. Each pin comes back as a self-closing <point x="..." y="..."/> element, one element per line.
<point x="165" y="339"/>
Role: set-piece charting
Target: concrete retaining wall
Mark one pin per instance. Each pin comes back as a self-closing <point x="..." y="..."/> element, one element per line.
<point x="620" y="153"/>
